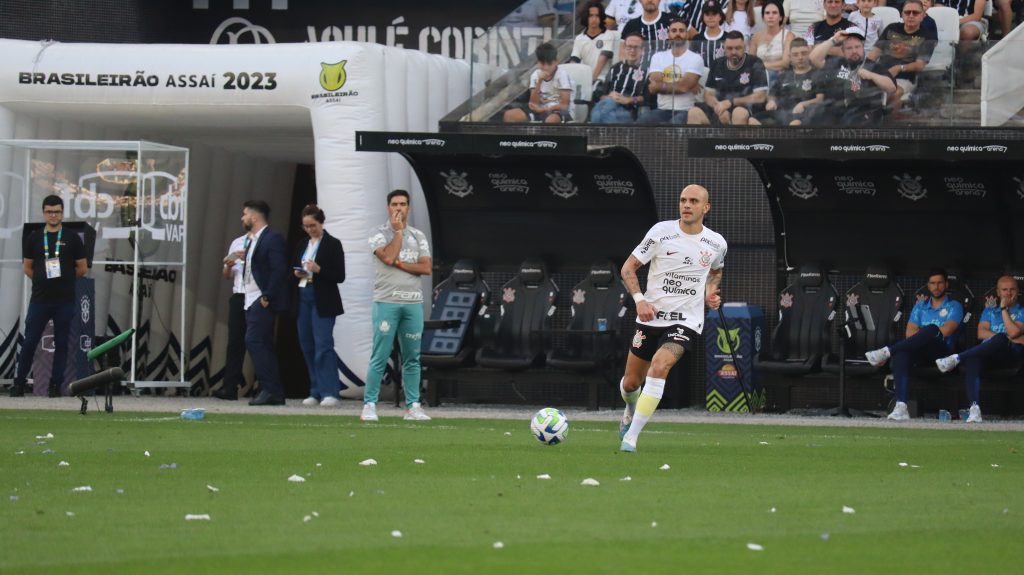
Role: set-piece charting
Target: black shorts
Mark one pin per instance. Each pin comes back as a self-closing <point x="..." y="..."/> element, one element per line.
<point x="648" y="340"/>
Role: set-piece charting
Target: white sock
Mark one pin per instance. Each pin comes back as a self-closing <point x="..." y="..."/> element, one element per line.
<point x="650" y="396"/>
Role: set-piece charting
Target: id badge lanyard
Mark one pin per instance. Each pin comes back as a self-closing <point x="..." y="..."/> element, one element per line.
<point x="309" y="258"/>
<point x="52" y="264"/>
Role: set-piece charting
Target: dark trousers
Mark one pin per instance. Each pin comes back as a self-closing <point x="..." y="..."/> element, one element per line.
<point x="39" y="314"/>
<point x="259" y="341"/>
<point x="993" y="351"/>
<point x="926" y="345"/>
<point x="236" y="343"/>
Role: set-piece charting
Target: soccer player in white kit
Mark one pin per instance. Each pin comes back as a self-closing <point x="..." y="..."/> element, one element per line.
<point x="686" y="270"/>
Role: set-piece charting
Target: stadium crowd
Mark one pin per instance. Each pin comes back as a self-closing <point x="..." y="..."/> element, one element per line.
<point x="749" y="62"/>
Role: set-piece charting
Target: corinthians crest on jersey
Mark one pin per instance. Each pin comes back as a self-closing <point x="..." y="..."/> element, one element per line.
<point x="680" y="264"/>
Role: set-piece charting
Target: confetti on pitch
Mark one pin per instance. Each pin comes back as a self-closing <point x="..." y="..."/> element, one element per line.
<point x="626" y="478"/>
<point x="197" y="517"/>
<point x="367" y="462"/>
<point x="211" y="488"/>
<point x="319" y="464"/>
<point x="498" y="545"/>
<point x="654" y="523"/>
<point x="297" y="479"/>
<point x="824" y="536"/>
<point x="754" y="547"/>
<point x="45" y="451"/>
<point x="120" y="491"/>
<point x="351" y="493"/>
<point x="418" y="461"/>
<point x="543" y="476"/>
<point x="69" y="513"/>
<point x="146" y="453"/>
<point x="63" y="464"/>
<point x="396" y="534"/>
<point x="849" y="510"/>
<point x="904" y="464"/>
<point x="590" y="481"/>
<point x="995" y="465"/>
<point x="763" y="443"/>
<point x="47" y="436"/>
<point x="22" y="452"/>
<point x="506" y="433"/>
<point x="168" y="466"/>
<point x="772" y="510"/>
<point x="307" y="518"/>
<point x="82" y="489"/>
<point x="665" y="467"/>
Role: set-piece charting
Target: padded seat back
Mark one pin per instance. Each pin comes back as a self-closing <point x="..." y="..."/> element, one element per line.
<point x="806" y="310"/>
<point x="527" y="303"/>
<point x="598" y="304"/>
<point x="876" y="296"/>
<point x="459" y="297"/>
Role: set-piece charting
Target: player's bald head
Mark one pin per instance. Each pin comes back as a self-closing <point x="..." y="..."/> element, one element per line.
<point x="696" y="189"/>
<point x="1006" y="281"/>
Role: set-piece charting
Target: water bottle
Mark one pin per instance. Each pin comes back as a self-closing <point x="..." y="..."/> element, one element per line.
<point x="193" y="414"/>
<point x="944" y="415"/>
<point x="602" y="324"/>
<point x="964" y="414"/>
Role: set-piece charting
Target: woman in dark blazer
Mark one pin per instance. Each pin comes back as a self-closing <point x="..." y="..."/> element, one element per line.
<point x="319" y="267"/>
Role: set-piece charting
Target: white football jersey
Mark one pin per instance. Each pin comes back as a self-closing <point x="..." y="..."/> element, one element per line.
<point x="679" y="269"/>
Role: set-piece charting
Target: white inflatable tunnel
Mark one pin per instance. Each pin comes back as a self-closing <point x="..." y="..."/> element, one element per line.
<point x="249" y="115"/>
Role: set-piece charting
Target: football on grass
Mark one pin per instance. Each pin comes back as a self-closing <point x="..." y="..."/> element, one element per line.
<point x="549" y="426"/>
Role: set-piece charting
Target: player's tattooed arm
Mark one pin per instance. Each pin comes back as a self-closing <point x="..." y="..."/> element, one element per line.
<point x="712" y="297"/>
<point x="629" y="274"/>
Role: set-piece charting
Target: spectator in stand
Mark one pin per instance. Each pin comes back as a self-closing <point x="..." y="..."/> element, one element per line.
<point x="691" y="12"/>
<point x="904" y="49"/>
<point x="711" y="44"/>
<point x="795" y="97"/>
<point x="771" y="44"/>
<point x="551" y="91"/>
<point x="854" y="87"/>
<point x="737" y="87"/>
<point x="1004" y="11"/>
<point x="865" y="19"/>
<point x="626" y="86"/>
<point x="849" y="7"/>
<point x="653" y="27"/>
<point x="1001" y="331"/>
<point x="674" y="76"/>
<point x="824" y="30"/>
<point x="619" y="12"/>
<point x="928" y="23"/>
<point x="740" y="16"/>
<point x="973" y="24"/>
<point x="594" y="45"/>
<point x="803" y="14"/>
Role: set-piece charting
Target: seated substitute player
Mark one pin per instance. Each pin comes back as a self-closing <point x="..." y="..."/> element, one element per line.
<point x="686" y="261"/>
<point x="1001" y="331"/>
<point x="737" y="87"/>
<point x="551" y="91"/>
<point x="931" y="334"/>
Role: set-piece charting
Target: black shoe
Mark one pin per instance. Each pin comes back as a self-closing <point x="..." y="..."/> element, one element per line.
<point x="265" y="398"/>
<point x="18" y="388"/>
<point x="225" y="393"/>
<point x="54" y="390"/>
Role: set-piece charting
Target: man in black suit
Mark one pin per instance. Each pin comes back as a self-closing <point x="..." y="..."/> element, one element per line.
<point x="265" y="277"/>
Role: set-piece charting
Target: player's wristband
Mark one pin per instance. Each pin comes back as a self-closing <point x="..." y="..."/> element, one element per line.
<point x="638" y="297"/>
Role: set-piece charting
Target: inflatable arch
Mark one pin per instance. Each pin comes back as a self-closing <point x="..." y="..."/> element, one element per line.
<point x="249" y="114"/>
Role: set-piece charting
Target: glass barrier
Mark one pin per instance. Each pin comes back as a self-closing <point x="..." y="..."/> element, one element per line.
<point x="601" y="78"/>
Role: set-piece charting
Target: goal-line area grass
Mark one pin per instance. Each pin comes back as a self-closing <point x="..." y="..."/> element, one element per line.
<point x="148" y="493"/>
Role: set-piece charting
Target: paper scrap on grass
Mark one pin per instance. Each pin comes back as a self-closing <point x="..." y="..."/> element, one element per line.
<point x="22" y="452"/>
<point x="626" y="478"/>
<point x="351" y="493"/>
<point x="82" y="488"/>
<point x="754" y="547"/>
<point x="319" y="464"/>
<point x="543" y="476"/>
<point x="314" y="514"/>
<point x="915" y="466"/>
<point x="506" y="433"/>
<point x="763" y="443"/>
<point x="654" y="523"/>
<point x="307" y="519"/>
<point x="63" y="464"/>
<point x="824" y="536"/>
<point x="69" y="513"/>
<point x="211" y="488"/>
<point x="772" y="510"/>
<point x="665" y="467"/>
<point x="418" y="461"/>
<point x="297" y="479"/>
<point x="168" y="466"/>
<point x="197" y="517"/>
<point x="366" y="462"/>
<point x="849" y="510"/>
<point x="146" y="453"/>
<point x="13" y="497"/>
<point x="47" y="436"/>
<point x="904" y="464"/>
<point x="995" y="465"/>
<point x="498" y="545"/>
<point x="45" y="452"/>
<point x="120" y="491"/>
<point x="396" y="534"/>
<point x="590" y="481"/>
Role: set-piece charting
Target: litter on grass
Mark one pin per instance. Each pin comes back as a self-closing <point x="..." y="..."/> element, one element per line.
<point x="654" y="523"/>
<point x="506" y="433"/>
<point x="498" y="545"/>
<point x="824" y="536"/>
<point x="319" y="464"/>
<point x="543" y="476"/>
<point x="146" y="453"/>
<point x="13" y="498"/>
<point x="47" y="436"/>
<point x="351" y="493"/>
<point x="904" y="464"/>
<point x="82" y="489"/>
<point x="995" y="465"/>
<point x="168" y="466"/>
<point x="197" y="517"/>
<point x="63" y="464"/>
<point x="120" y="491"/>
<point x="754" y="547"/>
<point x="22" y="452"/>
<point x="418" y="461"/>
<point x="366" y="462"/>
<point x="45" y="452"/>
<point x="69" y="513"/>
<point x="763" y="442"/>
<point x="211" y="488"/>
<point x="307" y="518"/>
<point x="297" y="479"/>
<point x="396" y="534"/>
<point x="772" y="510"/>
<point x="626" y="478"/>
<point x="665" y="467"/>
<point x="590" y="481"/>
<point x="849" y="510"/>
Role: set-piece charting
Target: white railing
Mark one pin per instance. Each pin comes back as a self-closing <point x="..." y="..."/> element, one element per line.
<point x="1002" y="80"/>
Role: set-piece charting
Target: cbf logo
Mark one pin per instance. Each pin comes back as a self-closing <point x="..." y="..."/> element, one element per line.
<point x="909" y="187"/>
<point x="801" y="186"/>
<point x="561" y="185"/>
<point x="84" y="306"/>
<point x="728" y="342"/>
<point x="333" y="76"/>
<point x="456" y="184"/>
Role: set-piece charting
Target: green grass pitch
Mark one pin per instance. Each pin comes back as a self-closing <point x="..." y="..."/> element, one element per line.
<point x="957" y="506"/>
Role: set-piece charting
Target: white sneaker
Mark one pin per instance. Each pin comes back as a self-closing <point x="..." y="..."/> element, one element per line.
<point x="416" y="413"/>
<point x="878" y="357"/>
<point x="369" y="412"/>
<point x="948" y="363"/>
<point x="899" y="413"/>
<point x="975" y="415"/>
<point x="310" y="401"/>
<point x="330" y="401"/>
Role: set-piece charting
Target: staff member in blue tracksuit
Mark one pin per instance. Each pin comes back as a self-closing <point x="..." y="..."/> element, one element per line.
<point x="1001" y="331"/>
<point x="931" y="334"/>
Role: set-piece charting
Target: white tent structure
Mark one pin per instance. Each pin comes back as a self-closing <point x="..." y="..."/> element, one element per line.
<point x="249" y="114"/>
